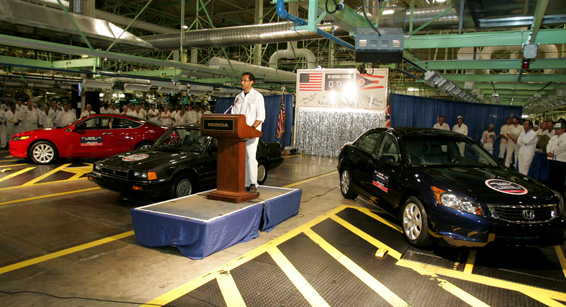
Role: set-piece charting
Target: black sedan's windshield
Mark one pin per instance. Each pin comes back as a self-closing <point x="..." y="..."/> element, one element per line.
<point x="445" y="151"/>
<point x="182" y="139"/>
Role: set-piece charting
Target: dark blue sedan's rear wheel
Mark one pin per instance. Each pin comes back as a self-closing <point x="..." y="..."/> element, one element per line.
<point x="346" y="185"/>
<point x="415" y="223"/>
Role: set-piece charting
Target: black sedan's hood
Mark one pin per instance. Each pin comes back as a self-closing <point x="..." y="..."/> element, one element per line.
<point x="488" y="185"/>
<point x="147" y="159"/>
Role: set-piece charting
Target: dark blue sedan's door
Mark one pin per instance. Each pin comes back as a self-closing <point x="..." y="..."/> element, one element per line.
<point x="386" y="172"/>
<point x="362" y="161"/>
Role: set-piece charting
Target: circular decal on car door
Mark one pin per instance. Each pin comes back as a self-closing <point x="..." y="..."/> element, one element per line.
<point x="136" y="157"/>
<point x="506" y="187"/>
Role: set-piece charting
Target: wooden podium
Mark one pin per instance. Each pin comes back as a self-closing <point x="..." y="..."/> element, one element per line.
<point x="232" y="132"/>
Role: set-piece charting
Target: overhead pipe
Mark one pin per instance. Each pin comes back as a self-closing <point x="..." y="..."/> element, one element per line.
<point x="282" y="12"/>
<point x="291" y="53"/>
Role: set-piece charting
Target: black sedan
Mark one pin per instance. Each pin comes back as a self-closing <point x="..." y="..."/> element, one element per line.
<point x="179" y="163"/>
<point x="444" y="187"/>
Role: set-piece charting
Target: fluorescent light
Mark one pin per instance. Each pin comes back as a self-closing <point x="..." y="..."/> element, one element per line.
<point x="388" y="12"/>
<point x="97" y="84"/>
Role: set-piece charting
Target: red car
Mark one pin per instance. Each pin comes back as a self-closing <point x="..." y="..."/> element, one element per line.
<point x="94" y="136"/>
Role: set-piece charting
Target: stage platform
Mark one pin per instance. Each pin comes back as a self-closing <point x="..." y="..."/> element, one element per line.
<point x="198" y="226"/>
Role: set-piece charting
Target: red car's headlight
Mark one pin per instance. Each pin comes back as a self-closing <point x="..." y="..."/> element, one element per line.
<point x="20" y="138"/>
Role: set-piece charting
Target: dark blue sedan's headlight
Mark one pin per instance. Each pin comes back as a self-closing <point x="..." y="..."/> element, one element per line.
<point x="454" y="201"/>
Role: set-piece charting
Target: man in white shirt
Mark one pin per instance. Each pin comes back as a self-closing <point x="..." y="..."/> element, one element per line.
<point x="13" y="122"/>
<point x="504" y="139"/>
<point x="154" y="115"/>
<point x="193" y="116"/>
<point x="441" y="124"/>
<point x="166" y="117"/>
<point x="556" y="151"/>
<point x="513" y="133"/>
<point x="3" y="138"/>
<point x="527" y="142"/>
<point x="182" y="118"/>
<point x="488" y="138"/>
<point x="460" y="127"/>
<point x="250" y="103"/>
<point x="66" y="117"/>
<point x="45" y="119"/>
<point x="30" y="117"/>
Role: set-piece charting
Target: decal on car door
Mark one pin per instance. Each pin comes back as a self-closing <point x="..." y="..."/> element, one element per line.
<point x="91" y="141"/>
<point x="381" y="181"/>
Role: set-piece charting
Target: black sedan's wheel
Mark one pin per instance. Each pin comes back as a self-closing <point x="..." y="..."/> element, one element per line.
<point x="183" y="186"/>
<point x="261" y="173"/>
<point x="144" y="145"/>
<point x="415" y="223"/>
<point x="346" y="185"/>
<point x="43" y="152"/>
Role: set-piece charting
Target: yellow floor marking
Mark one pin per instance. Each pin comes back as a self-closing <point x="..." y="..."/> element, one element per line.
<point x="193" y="284"/>
<point x="12" y="165"/>
<point x="371" y="240"/>
<point x="310" y="179"/>
<point x="380" y="219"/>
<point x="461" y="294"/>
<point x="42" y="183"/>
<point x="64" y="252"/>
<point x="308" y="292"/>
<point x="561" y="258"/>
<point x="78" y="171"/>
<point x="229" y="290"/>
<point x="359" y="272"/>
<point x="51" y="172"/>
<point x="545" y="300"/>
<point x="469" y="268"/>
<point x="27" y="169"/>
<point x="46" y="196"/>
<point x="292" y="156"/>
<point x="483" y="280"/>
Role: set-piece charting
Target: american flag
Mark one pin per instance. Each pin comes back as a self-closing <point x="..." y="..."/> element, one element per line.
<point x="282" y="118"/>
<point x="310" y="82"/>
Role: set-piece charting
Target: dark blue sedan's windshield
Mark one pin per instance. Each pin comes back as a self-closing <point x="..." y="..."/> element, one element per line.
<point x="446" y="151"/>
<point x="182" y="139"/>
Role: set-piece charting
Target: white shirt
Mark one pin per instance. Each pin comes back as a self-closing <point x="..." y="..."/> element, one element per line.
<point x="166" y="118"/>
<point x="65" y="118"/>
<point x="153" y="115"/>
<point x="527" y="142"/>
<point x="487" y="139"/>
<point x="503" y="131"/>
<point x="461" y="129"/>
<point x="557" y="145"/>
<point x="193" y="117"/>
<point x="515" y="131"/>
<point x="46" y="120"/>
<point x="30" y="119"/>
<point x="12" y="118"/>
<point x="252" y="106"/>
<point x="181" y="119"/>
<point x="444" y="126"/>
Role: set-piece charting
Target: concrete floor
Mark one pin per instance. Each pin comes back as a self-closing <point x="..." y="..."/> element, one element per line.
<point x="66" y="242"/>
<point x="45" y="218"/>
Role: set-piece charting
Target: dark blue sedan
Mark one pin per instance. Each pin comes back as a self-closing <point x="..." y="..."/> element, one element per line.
<point x="444" y="187"/>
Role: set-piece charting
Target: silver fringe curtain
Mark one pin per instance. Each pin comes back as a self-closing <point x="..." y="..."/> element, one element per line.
<point x="322" y="132"/>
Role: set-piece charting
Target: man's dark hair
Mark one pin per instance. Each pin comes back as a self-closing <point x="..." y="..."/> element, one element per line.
<point x="530" y="122"/>
<point x="439" y="116"/>
<point x="516" y="117"/>
<point x="250" y="76"/>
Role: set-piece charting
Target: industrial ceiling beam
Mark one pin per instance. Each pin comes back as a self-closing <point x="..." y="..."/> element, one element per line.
<point x="507" y="77"/>
<point x="493" y="64"/>
<point x="537" y="19"/>
<point x="484" y="39"/>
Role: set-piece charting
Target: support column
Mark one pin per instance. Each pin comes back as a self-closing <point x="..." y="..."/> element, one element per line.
<point x="258" y="50"/>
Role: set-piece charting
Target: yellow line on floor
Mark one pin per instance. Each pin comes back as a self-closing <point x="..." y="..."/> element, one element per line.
<point x="310" y="179"/>
<point x="64" y="252"/>
<point x="382" y="220"/>
<point x="561" y="258"/>
<point x="461" y="294"/>
<point x="193" y="284"/>
<point x="371" y="240"/>
<point x="229" y="290"/>
<point x="359" y="272"/>
<point x="12" y="165"/>
<point x="27" y="169"/>
<point x="51" y="172"/>
<point x="300" y="282"/>
<point x="42" y="183"/>
<point x="46" y="196"/>
<point x="469" y="268"/>
<point x="292" y="156"/>
<point x="545" y="300"/>
<point x="483" y="280"/>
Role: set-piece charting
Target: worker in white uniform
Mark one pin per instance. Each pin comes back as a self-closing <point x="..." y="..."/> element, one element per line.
<point x="513" y="132"/>
<point x="441" y="124"/>
<point x="3" y="138"/>
<point x="30" y="117"/>
<point x="527" y="143"/>
<point x="13" y="122"/>
<point x="460" y="127"/>
<point x="251" y="104"/>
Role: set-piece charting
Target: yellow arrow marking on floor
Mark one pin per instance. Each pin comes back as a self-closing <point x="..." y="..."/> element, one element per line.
<point x="16" y="173"/>
<point x="37" y="179"/>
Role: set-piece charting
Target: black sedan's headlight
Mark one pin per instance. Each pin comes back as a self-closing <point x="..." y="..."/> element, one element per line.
<point x="451" y="200"/>
<point x="560" y="203"/>
<point x="144" y="175"/>
<point x="97" y="167"/>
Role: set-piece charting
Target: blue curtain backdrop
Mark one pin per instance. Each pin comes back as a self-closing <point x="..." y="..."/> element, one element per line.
<point x="412" y="111"/>
<point x="272" y="107"/>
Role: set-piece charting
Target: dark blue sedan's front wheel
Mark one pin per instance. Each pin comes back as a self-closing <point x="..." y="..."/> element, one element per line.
<point x="415" y="223"/>
<point x="346" y="185"/>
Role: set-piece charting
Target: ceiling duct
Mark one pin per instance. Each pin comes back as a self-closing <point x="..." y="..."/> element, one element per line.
<point x="259" y="72"/>
<point x="400" y="17"/>
<point x="26" y="19"/>
<point x="236" y="36"/>
<point x="293" y="52"/>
